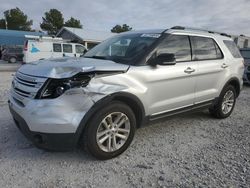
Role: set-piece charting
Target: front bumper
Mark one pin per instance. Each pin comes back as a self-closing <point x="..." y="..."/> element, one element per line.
<point x="60" y="115"/>
<point x="49" y="141"/>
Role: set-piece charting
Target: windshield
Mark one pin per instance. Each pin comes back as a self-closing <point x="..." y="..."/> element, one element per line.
<point x="123" y="48"/>
<point x="245" y="54"/>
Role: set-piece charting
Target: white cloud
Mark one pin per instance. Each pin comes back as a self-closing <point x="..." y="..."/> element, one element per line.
<point x="222" y="15"/>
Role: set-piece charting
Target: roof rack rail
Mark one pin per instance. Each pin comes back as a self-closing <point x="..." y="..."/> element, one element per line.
<point x="226" y="35"/>
<point x="198" y="29"/>
<point x="178" y="27"/>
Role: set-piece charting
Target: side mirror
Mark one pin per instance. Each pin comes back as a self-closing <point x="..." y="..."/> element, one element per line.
<point x="164" y="59"/>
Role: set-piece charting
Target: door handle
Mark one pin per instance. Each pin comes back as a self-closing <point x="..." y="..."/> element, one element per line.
<point x="189" y="70"/>
<point x="224" y="65"/>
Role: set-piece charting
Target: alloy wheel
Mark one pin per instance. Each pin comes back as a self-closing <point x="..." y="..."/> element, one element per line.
<point x="228" y="102"/>
<point x="113" y="132"/>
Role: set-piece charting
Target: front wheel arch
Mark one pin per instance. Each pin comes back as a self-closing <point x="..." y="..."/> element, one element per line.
<point x="129" y="99"/>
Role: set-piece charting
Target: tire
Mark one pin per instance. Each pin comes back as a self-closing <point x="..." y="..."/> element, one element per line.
<point x="224" y="109"/>
<point x="12" y="60"/>
<point x="100" y="133"/>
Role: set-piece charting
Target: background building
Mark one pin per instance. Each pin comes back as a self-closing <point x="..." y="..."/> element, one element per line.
<point x="87" y="37"/>
<point x="15" y="38"/>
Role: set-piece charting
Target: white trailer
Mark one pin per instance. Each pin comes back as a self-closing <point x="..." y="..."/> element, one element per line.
<point x="40" y="47"/>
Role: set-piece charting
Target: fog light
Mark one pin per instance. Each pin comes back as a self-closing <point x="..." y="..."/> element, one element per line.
<point x="38" y="139"/>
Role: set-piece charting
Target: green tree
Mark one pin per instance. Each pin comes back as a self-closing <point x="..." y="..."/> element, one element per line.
<point x="16" y="20"/>
<point x="72" y="22"/>
<point x="2" y="24"/>
<point x="52" y="21"/>
<point x="120" y="29"/>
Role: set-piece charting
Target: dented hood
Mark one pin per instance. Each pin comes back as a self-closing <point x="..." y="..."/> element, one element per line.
<point x="68" y="67"/>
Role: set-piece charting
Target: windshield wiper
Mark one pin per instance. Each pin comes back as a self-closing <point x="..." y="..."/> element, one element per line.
<point x="96" y="57"/>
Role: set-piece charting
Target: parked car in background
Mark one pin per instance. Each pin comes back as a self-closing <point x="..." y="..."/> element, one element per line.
<point x="121" y="84"/>
<point x="245" y="52"/>
<point x="38" y="48"/>
<point x="12" y="54"/>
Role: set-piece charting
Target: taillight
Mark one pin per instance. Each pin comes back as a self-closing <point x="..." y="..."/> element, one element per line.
<point x="25" y="48"/>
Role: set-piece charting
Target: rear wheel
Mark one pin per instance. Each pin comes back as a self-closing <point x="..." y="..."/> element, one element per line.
<point x="12" y="60"/>
<point x="111" y="131"/>
<point x="226" y="102"/>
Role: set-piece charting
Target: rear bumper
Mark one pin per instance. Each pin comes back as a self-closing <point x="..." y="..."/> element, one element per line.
<point x="48" y="141"/>
<point x="246" y="76"/>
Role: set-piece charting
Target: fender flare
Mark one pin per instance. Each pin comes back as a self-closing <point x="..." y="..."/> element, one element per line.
<point x="235" y="82"/>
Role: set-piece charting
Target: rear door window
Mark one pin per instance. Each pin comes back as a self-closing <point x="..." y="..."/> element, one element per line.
<point x="231" y="46"/>
<point x="67" y="48"/>
<point x="204" y="48"/>
<point x="57" y="47"/>
<point x="178" y="45"/>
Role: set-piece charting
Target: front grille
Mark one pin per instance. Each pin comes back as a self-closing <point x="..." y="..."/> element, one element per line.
<point x="27" y="86"/>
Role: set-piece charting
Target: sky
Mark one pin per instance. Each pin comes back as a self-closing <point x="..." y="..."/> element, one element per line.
<point x="230" y="16"/>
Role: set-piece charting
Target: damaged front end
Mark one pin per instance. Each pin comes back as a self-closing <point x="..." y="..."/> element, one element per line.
<point x="60" y="104"/>
<point x="53" y="100"/>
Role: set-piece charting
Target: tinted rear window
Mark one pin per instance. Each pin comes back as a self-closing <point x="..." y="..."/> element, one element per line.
<point x="204" y="48"/>
<point x="232" y="48"/>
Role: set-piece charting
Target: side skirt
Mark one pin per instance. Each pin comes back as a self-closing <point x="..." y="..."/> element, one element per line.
<point x="195" y="107"/>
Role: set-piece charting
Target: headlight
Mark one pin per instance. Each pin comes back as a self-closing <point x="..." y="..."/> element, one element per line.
<point x="56" y="87"/>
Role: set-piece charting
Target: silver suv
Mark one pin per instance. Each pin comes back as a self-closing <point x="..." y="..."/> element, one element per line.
<point x="127" y="81"/>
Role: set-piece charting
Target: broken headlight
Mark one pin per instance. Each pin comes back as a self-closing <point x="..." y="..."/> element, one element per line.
<point x="56" y="87"/>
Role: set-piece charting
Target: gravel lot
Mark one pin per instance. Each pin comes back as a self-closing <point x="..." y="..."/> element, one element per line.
<point x="8" y="67"/>
<point x="192" y="150"/>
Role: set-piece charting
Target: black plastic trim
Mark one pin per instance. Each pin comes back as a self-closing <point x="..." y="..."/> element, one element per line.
<point x="234" y="79"/>
<point x="182" y="110"/>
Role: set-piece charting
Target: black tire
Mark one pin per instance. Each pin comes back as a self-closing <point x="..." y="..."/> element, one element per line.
<point x="12" y="60"/>
<point x="90" y="132"/>
<point x="217" y="109"/>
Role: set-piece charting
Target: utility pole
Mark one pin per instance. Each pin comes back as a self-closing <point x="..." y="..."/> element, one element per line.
<point x="6" y="24"/>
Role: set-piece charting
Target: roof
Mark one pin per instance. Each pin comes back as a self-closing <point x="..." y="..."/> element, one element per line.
<point x="148" y="31"/>
<point x="87" y="34"/>
<point x="13" y="37"/>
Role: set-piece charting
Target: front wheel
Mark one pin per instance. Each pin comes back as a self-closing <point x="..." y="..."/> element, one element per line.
<point x="225" y="104"/>
<point x="110" y="131"/>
